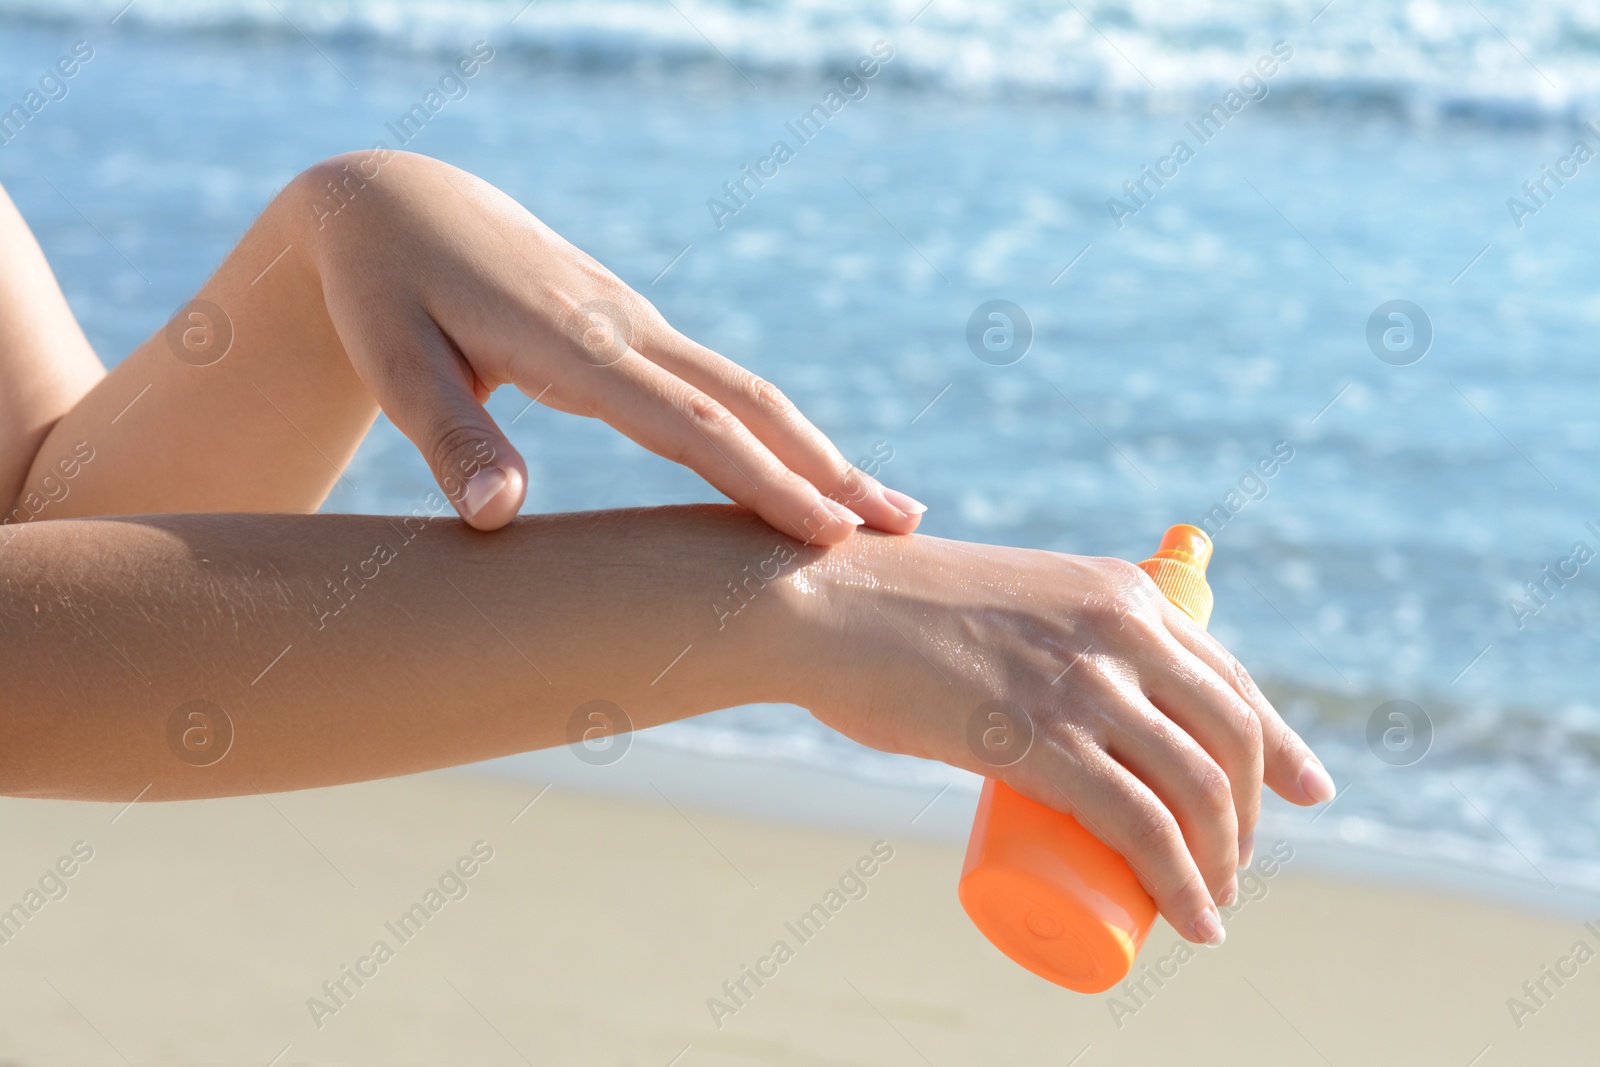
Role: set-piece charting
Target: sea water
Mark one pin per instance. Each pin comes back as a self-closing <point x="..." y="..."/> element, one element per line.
<point x="1185" y="327"/>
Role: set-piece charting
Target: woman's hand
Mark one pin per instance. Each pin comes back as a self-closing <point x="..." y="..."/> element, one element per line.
<point x="1143" y="726"/>
<point x="442" y="288"/>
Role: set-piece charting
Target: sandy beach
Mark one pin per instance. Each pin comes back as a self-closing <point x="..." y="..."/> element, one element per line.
<point x="523" y="924"/>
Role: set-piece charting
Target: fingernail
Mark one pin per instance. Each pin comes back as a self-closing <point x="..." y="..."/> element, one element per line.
<point x="906" y="505"/>
<point x="1247" y="848"/>
<point x="1315" y="782"/>
<point x="482" y="488"/>
<point x="1230" y="893"/>
<point x="1208" y="928"/>
<point x="842" y="512"/>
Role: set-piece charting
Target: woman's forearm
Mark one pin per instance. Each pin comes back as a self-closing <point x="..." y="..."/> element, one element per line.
<point x="343" y="648"/>
<point x="205" y="655"/>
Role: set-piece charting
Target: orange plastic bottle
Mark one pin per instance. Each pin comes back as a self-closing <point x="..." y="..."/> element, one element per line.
<point x="1043" y="889"/>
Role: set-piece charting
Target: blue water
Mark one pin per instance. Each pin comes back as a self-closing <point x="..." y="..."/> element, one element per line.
<point x="1228" y="314"/>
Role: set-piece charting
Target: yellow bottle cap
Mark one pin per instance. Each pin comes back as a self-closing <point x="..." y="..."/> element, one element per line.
<point x="1179" y="570"/>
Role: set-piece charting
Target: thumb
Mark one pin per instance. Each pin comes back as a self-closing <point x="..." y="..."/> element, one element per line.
<point x="481" y="474"/>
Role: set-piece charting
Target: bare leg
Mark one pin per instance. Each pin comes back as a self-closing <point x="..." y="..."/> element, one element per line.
<point x="267" y="426"/>
<point x="46" y="364"/>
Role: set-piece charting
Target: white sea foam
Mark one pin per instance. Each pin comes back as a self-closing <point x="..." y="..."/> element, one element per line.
<point x="1497" y="61"/>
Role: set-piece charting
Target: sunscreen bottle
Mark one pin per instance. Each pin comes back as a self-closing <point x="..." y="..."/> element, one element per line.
<point x="1044" y="890"/>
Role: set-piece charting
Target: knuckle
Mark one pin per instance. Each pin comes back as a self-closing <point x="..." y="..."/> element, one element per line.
<point x="1101" y="615"/>
<point x="1107" y="608"/>
<point x="1193" y="895"/>
<point x="708" y="416"/>
<point x="853" y="485"/>
<point x="1250" y="731"/>
<point x="640" y="308"/>
<point x="599" y="280"/>
<point x="1153" y="832"/>
<point x="460" y="449"/>
<point x="1145" y="624"/>
<point x="1123" y="572"/>
<point x="767" y="399"/>
<point x="639" y="318"/>
<point x="645" y="319"/>
<point x="1285" y="748"/>
<point x="1241" y="679"/>
<point x="1128" y="591"/>
<point x="1120" y="609"/>
<point x="1232" y="671"/>
<point x="1213" y="795"/>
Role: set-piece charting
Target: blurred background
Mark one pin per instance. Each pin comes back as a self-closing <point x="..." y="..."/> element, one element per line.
<point x="1169" y="333"/>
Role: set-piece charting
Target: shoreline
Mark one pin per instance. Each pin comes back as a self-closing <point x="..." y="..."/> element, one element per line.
<point x="803" y="796"/>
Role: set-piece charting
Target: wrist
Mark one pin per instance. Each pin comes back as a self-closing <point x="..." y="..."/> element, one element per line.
<point x="717" y="614"/>
<point x="323" y="200"/>
<point x="836" y="647"/>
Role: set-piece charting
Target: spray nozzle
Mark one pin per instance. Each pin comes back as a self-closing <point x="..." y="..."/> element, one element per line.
<point x="1179" y="570"/>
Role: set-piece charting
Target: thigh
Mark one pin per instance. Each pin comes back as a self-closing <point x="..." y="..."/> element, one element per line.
<point x="243" y="401"/>
<point x="46" y="364"/>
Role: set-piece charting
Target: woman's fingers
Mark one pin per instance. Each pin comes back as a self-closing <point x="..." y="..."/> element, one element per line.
<point x="778" y="424"/>
<point x="432" y="395"/>
<point x="1207" y="709"/>
<point x="674" y="419"/>
<point x="1125" y="813"/>
<point x="1192" y="782"/>
<point x="1290" y="768"/>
